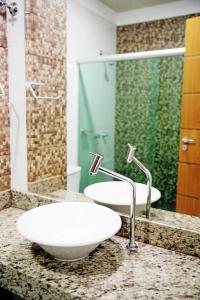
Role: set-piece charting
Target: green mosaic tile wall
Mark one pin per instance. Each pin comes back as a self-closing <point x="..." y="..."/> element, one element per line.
<point x="148" y="105"/>
<point x="133" y="121"/>
<point x="168" y="130"/>
<point x="161" y="150"/>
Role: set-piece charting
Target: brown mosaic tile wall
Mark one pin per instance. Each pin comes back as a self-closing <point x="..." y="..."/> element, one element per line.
<point x="46" y="63"/>
<point x="4" y="111"/>
<point x="161" y="34"/>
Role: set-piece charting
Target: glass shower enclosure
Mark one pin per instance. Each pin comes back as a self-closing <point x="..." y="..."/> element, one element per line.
<point x="132" y="100"/>
<point x="96" y="117"/>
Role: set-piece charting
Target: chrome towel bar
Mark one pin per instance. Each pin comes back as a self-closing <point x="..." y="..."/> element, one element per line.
<point x="33" y="86"/>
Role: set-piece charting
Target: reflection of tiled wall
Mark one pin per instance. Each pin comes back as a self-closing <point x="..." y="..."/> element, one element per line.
<point x="162" y="34"/>
<point x="133" y="123"/>
<point x="133" y="117"/>
<point x="4" y="111"/>
<point x="148" y="105"/>
<point x="45" y="63"/>
<point x="168" y="130"/>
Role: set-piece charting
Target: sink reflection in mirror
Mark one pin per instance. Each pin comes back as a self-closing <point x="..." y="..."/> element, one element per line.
<point x="118" y="196"/>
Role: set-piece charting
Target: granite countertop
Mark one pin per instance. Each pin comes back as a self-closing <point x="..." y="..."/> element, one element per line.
<point x="110" y="272"/>
<point x="175" y="219"/>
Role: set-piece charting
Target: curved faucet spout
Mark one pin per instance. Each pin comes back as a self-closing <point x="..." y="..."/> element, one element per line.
<point x="131" y="158"/>
<point x="94" y="169"/>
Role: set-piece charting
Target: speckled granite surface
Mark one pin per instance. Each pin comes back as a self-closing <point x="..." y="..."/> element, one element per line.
<point x="46" y="185"/>
<point x="30" y="200"/>
<point x="162" y="235"/>
<point x="108" y="273"/>
<point x="170" y="236"/>
<point x="175" y="219"/>
<point x="5" y="199"/>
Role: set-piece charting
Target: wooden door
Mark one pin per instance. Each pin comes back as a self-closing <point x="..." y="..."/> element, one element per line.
<point x="188" y="187"/>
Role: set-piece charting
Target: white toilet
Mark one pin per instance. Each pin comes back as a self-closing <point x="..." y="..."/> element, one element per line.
<point x="73" y="178"/>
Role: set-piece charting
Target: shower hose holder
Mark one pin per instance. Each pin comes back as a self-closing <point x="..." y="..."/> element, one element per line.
<point x="12" y="7"/>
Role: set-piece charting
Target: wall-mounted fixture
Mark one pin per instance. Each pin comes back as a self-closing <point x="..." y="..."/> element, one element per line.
<point x="34" y="86"/>
<point x="12" y="7"/>
<point x="132" y="159"/>
<point x="2" y="93"/>
<point x="94" y="169"/>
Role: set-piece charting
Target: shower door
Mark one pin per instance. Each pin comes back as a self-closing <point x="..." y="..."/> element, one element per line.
<point x="96" y="117"/>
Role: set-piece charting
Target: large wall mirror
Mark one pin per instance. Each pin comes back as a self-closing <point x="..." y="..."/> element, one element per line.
<point x="80" y="100"/>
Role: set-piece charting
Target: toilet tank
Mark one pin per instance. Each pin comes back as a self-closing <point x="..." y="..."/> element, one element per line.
<point x="73" y="178"/>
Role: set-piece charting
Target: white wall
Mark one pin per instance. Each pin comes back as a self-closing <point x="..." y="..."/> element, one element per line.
<point x="100" y="9"/>
<point x="157" y="12"/>
<point x="17" y="98"/>
<point x="87" y="34"/>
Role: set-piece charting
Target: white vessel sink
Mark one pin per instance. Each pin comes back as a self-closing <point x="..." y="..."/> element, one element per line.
<point x="118" y="195"/>
<point x="69" y="230"/>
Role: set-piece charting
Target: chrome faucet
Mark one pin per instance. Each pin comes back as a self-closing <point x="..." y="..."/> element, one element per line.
<point x="94" y="169"/>
<point x="131" y="158"/>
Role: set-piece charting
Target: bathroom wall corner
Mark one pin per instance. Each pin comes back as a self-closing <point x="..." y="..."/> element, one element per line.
<point x="17" y="98"/>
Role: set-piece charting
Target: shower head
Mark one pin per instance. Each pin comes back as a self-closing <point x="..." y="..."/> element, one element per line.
<point x="95" y="164"/>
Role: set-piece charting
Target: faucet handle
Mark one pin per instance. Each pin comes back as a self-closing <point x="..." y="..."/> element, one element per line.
<point x="130" y="153"/>
<point x="95" y="164"/>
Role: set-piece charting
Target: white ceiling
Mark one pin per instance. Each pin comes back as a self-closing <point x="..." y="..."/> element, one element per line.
<point x="126" y="5"/>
